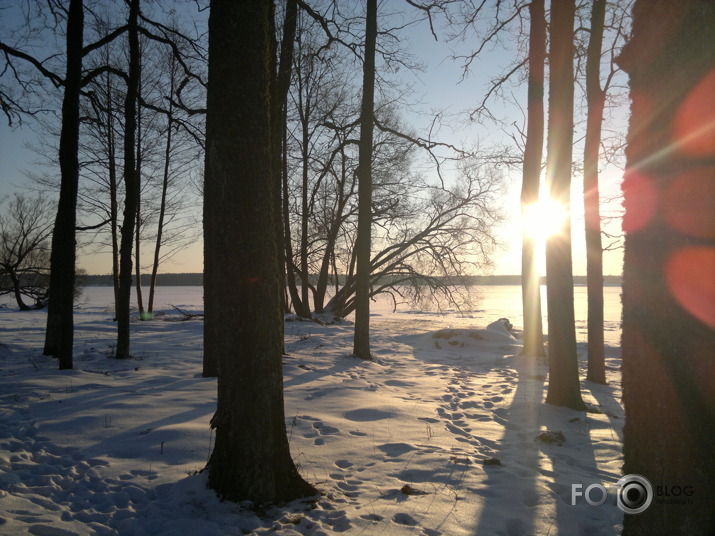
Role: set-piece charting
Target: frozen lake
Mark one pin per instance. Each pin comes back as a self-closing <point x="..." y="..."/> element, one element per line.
<point x="493" y="302"/>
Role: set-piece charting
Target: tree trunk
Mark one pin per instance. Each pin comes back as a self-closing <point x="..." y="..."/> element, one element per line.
<point x="162" y="206"/>
<point x="137" y="234"/>
<point x="595" y="98"/>
<point x="59" y="337"/>
<point x="669" y="261"/>
<point x="113" y="190"/>
<point x="130" y="185"/>
<point x="17" y="290"/>
<point x="304" y="282"/>
<point x="361" y="344"/>
<point x="251" y="458"/>
<point x="287" y="239"/>
<point x="564" y="386"/>
<point x="533" y="151"/>
<point x="279" y="100"/>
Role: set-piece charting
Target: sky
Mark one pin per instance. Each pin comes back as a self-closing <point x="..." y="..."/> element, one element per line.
<point x="439" y="87"/>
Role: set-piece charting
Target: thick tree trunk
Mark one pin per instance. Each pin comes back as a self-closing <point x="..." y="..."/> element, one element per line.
<point x="130" y="185"/>
<point x="59" y="337"/>
<point x="669" y="262"/>
<point x="251" y="458"/>
<point x="361" y="343"/>
<point x="564" y="386"/>
<point x="533" y="151"/>
<point x="595" y="98"/>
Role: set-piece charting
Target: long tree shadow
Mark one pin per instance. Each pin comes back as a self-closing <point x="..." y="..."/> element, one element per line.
<point x="510" y="491"/>
<point x="545" y="450"/>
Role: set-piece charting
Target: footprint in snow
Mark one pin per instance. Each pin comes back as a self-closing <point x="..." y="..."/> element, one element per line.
<point x="404" y="519"/>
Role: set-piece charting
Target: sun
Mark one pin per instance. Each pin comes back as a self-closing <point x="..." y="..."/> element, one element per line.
<point x="543" y="219"/>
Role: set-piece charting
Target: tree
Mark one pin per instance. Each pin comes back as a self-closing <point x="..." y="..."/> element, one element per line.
<point x="279" y="112"/>
<point x="131" y="185"/>
<point x="25" y="232"/>
<point x="59" y="337"/>
<point x="668" y="317"/>
<point x="533" y="151"/>
<point x="361" y="343"/>
<point x="564" y="388"/>
<point x="163" y="216"/>
<point x="595" y="99"/>
<point x="243" y="309"/>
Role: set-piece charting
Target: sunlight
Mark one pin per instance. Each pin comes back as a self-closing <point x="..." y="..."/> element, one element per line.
<point x="544" y="219"/>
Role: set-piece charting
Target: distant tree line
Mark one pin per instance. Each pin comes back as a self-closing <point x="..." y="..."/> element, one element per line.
<point x="197" y="280"/>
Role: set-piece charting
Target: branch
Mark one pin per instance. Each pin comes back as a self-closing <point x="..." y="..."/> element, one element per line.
<point x="9" y="51"/>
<point x="104" y="41"/>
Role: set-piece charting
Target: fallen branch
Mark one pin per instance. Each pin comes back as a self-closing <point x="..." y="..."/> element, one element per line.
<point x="186" y="316"/>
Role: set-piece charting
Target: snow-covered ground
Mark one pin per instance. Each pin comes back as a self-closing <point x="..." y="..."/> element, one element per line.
<point x="445" y="432"/>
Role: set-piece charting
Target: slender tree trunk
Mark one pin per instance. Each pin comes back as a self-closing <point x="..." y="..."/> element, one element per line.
<point x="59" y="337"/>
<point x="137" y="234"/>
<point x="130" y="184"/>
<point x="669" y="261"/>
<point x="305" y="110"/>
<point x="304" y="283"/>
<point x="251" y="458"/>
<point x="564" y="386"/>
<point x="361" y="344"/>
<point x="279" y="101"/>
<point x="162" y="206"/>
<point x="595" y="98"/>
<point x="113" y="204"/>
<point x="287" y="240"/>
<point x="533" y="151"/>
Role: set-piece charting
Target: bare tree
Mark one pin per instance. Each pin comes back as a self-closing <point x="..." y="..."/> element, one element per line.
<point x="131" y="186"/>
<point x="595" y="97"/>
<point x="361" y="343"/>
<point x="531" y="178"/>
<point x="59" y="337"/>
<point x="25" y="233"/>
<point x="564" y="387"/>
<point x="251" y="459"/>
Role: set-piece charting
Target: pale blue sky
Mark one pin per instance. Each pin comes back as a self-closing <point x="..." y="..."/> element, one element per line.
<point x="438" y="87"/>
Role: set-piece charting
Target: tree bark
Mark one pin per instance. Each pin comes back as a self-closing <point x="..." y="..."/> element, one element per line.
<point x="279" y="102"/>
<point x="361" y="343"/>
<point x="130" y="185"/>
<point x="59" y="337"/>
<point x="533" y="152"/>
<point x="251" y="458"/>
<point x="668" y="317"/>
<point x="564" y="387"/>
<point x="595" y="98"/>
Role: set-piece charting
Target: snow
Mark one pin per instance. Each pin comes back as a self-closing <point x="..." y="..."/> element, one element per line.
<point x="444" y="432"/>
